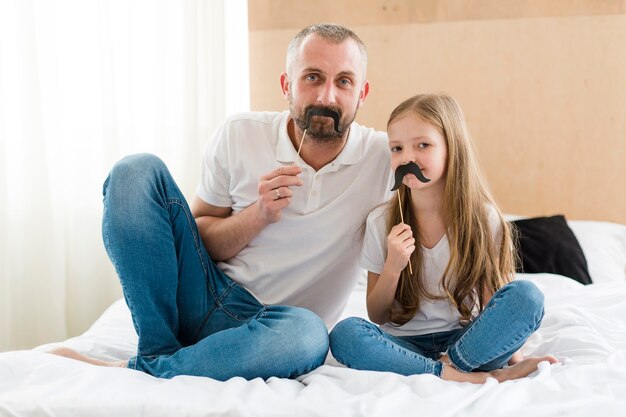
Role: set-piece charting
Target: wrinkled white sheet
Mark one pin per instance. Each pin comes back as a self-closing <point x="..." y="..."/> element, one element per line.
<point x="585" y="327"/>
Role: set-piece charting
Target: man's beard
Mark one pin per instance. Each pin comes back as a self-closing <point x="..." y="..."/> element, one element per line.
<point x="321" y="129"/>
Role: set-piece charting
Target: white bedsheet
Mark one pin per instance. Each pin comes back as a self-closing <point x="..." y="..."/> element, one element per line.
<point x="585" y="327"/>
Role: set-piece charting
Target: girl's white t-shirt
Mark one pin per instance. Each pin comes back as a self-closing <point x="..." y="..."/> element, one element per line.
<point x="434" y="315"/>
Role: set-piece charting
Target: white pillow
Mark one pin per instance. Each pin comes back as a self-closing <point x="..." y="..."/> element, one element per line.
<point x="604" y="246"/>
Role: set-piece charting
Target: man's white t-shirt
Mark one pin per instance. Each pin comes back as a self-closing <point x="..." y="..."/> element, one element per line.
<point x="433" y="316"/>
<point x="309" y="258"/>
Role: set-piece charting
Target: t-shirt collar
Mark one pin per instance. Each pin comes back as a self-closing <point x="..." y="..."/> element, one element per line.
<point x="350" y="154"/>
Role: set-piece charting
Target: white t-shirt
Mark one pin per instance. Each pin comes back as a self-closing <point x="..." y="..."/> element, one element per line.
<point x="434" y="315"/>
<point x="309" y="258"/>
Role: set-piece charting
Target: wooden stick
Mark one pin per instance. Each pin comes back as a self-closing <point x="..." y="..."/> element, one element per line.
<point x="301" y="142"/>
<point x="402" y="220"/>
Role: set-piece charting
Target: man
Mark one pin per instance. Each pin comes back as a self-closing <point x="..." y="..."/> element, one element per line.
<point x="280" y="211"/>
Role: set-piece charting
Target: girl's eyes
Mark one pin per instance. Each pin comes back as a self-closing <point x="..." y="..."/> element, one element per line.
<point x="421" y="145"/>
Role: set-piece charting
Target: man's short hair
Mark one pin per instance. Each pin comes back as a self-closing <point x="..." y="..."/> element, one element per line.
<point x="330" y="32"/>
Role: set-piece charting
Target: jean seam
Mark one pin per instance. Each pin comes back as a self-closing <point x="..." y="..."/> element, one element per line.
<point x="460" y="357"/>
<point x="206" y="318"/>
<point x="217" y="304"/>
<point x="197" y="242"/>
<point x="196" y="239"/>
<point x="106" y="239"/>
<point x="222" y="307"/>
<point x="457" y="357"/>
<point x="404" y="351"/>
<point x="456" y="354"/>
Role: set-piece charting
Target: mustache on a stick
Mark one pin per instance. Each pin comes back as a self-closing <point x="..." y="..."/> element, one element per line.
<point x="410" y="168"/>
<point x="320" y="111"/>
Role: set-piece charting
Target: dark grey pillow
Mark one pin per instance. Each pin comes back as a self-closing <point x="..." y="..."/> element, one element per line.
<point x="547" y="244"/>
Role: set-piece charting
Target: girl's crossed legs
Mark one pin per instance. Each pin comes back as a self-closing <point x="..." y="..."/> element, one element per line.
<point x="471" y="354"/>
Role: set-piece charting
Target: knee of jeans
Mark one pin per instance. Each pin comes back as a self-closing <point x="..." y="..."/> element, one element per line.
<point x="529" y="296"/>
<point x="134" y="169"/>
<point x="309" y="333"/>
<point x="345" y="336"/>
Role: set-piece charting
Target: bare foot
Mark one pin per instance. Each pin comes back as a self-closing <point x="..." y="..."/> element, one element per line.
<point x="519" y="370"/>
<point x="72" y="354"/>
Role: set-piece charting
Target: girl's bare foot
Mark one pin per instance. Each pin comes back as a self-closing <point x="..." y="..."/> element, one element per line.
<point x="72" y="354"/>
<point x="519" y="370"/>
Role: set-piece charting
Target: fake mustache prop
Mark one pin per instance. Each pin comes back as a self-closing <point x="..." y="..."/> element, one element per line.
<point x="410" y="168"/>
<point x="318" y="111"/>
<point x="401" y="171"/>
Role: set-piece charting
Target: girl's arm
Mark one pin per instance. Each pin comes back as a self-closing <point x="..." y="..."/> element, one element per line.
<point x="381" y="288"/>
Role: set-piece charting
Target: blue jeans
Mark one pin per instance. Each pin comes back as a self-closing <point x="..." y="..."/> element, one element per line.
<point x="190" y="317"/>
<point x="487" y="343"/>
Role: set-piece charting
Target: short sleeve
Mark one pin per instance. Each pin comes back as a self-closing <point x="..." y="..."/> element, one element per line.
<point x="214" y="187"/>
<point x="375" y="242"/>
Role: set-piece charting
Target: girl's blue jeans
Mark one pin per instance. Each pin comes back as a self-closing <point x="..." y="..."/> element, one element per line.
<point x="487" y="343"/>
<point x="190" y="317"/>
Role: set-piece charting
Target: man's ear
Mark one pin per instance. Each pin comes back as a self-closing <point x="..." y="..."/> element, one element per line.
<point x="284" y="84"/>
<point x="364" y="92"/>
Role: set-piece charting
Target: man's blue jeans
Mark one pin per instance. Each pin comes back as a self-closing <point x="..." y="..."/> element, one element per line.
<point x="191" y="318"/>
<point x="487" y="343"/>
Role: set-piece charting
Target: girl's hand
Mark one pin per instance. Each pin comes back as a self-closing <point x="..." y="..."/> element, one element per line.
<point x="400" y="246"/>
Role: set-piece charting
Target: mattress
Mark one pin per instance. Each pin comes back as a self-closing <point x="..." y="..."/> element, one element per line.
<point x="584" y="327"/>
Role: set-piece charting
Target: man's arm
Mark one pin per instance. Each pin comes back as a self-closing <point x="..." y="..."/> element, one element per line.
<point x="224" y="234"/>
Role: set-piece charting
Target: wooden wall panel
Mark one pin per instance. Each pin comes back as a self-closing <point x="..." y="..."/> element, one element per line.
<point x="545" y="97"/>
<point x="289" y="14"/>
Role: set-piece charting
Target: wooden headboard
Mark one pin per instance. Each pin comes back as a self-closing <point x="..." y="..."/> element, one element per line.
<point x="542" y="84"/>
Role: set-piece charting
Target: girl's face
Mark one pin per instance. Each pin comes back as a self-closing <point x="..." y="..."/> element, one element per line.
<point x="413" y="139"/>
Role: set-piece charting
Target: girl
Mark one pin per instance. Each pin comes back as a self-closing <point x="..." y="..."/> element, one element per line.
<point x="458" y="315"/>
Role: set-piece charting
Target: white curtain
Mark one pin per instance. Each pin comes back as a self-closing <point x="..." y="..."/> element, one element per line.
<point x="83" y="83"/>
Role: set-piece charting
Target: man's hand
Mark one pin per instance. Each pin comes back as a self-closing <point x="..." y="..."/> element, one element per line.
<point x="275" y="191"/>
<point x="225" y="234"/>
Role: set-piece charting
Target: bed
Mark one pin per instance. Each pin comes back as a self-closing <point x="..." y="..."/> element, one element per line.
<point x="584" y="326"/>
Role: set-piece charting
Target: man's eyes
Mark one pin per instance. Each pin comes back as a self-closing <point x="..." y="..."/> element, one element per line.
<point x="343" y="82"/>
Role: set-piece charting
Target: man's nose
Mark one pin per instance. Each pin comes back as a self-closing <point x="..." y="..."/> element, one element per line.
<point x="327" y="94"/>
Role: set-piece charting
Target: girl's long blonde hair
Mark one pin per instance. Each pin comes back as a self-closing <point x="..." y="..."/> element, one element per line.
<point x="475" y="265"/>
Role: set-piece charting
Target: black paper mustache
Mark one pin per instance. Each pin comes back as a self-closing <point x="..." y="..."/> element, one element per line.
<point x="410" y="168"/>
<point x="320" y="111"/>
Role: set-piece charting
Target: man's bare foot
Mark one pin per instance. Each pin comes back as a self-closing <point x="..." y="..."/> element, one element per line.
<point x="72" y="354"/>
<point x="519" y="370"/>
